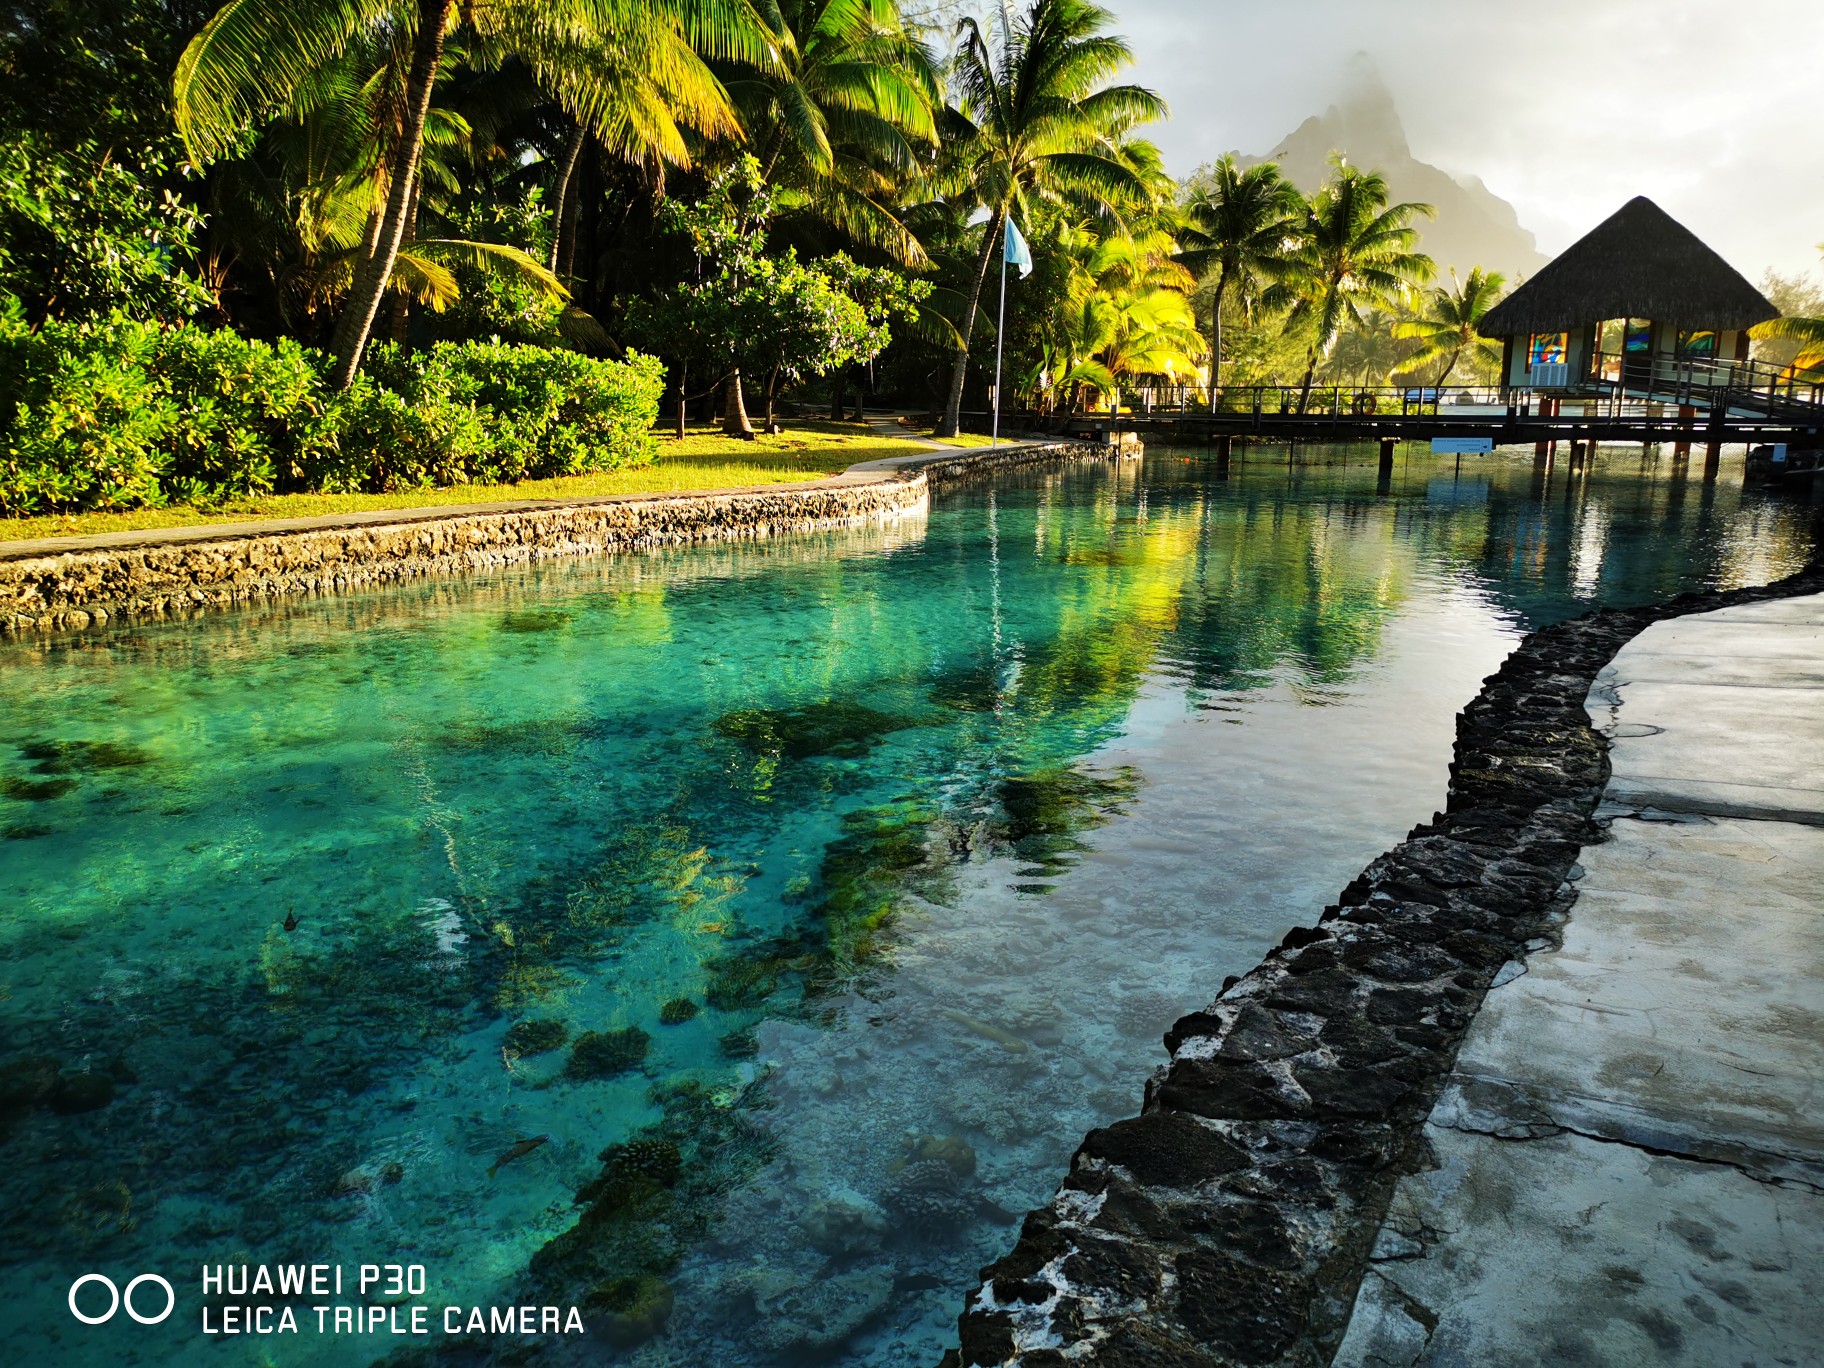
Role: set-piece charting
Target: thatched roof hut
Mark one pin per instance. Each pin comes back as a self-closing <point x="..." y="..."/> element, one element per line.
<point x="1640" y="262"/>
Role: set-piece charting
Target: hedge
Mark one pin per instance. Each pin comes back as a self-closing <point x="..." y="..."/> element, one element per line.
<point x="117" y="413"/>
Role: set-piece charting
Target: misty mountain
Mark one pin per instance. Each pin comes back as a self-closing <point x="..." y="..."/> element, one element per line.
<point x="1474" y="226"/>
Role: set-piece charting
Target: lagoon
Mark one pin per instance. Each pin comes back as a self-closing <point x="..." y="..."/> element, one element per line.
<point x="803" y="901"/>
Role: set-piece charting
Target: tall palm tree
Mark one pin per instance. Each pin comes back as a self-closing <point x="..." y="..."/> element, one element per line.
<point x="1447" y="326"/>
<point x="1353" y="250"/>
<point x="1239" y="224"/>
<point x="632" y="70"/>
<point x="1036" y="122"/>
<point x="847" y="116"/>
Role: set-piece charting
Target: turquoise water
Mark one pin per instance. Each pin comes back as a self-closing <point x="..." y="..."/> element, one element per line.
<point x="923" y="832"/>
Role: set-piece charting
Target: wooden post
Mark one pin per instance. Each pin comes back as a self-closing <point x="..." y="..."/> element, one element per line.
<point x="1225" y="445"/>
<point x="1386" y="470"/>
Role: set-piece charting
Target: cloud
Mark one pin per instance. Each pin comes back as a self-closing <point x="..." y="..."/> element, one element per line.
<point x="1565" y="108"/>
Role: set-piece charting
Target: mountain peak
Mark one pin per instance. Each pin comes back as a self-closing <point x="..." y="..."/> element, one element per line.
<point x="1473" y="227"/>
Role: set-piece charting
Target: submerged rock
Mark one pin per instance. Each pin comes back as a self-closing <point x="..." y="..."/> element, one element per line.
<point x="817" y="1314"/>
<point x="677" y="1011"/>
<point x="85" y="1092"/>
<point x="630" y="1311"/>
<point x="843" y="1222"/>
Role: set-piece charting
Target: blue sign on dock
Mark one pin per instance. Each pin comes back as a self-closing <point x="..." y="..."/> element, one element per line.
<point x="1462" y="446"/>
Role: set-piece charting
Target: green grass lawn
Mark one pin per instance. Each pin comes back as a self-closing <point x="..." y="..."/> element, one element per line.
<point x="705" y="459"/>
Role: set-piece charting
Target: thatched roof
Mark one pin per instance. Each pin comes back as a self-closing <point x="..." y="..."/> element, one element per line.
<point x="1640" y="262"/>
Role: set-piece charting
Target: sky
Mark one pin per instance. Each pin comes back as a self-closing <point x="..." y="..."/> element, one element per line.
<point x="1564" y="108"/>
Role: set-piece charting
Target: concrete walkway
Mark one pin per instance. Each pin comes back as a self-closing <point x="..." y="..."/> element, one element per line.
<point x="1629" y="1158"/>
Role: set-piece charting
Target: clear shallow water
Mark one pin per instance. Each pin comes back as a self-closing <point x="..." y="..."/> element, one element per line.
<point x="936" y="826"/>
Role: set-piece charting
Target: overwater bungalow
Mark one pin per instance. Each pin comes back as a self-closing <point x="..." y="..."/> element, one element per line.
<point x="1638" y="306"/>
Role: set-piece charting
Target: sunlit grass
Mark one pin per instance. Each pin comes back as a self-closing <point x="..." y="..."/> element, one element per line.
<point x="704" y="459"/>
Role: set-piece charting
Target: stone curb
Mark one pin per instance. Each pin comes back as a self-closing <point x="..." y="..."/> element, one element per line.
<point x="1231" y="1221"/>
<point x="75" y="583"/>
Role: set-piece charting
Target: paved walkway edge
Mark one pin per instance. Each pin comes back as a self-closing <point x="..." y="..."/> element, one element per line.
<point x="1231" y="1221"/>
<point x="61" y="584"/>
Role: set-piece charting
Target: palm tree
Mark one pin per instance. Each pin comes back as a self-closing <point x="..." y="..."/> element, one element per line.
<point x="631" y="70"/>
<point x="1807" y="332"/>
<point x="847" y="116"/>
<point x="1037" y="123"/>
<point x="1353" y="250"/>
<point x="1240" y="225"/>
<point x="1447" y="327"/>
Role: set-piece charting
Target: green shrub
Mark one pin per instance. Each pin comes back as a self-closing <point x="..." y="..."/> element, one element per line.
<point x="118" y="413"/>
<point x="543" y="413"/>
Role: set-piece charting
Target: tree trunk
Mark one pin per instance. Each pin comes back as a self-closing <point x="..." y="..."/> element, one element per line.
<point x="1450" y="366"/>
<point x="683" y="375"/>
<point x="1304" y="390"/>
<point x="734" y="410"/>
<point x="772" y="391"/>
<point x="564" y="232"/>
<point x="953" y="406"/>
<point x="373" y="272"/>
<point x="837" y="393"/>
<point x="402" y="302"/>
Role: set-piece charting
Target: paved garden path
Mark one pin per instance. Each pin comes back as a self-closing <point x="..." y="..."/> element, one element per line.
<point x="1629" y="1157"/>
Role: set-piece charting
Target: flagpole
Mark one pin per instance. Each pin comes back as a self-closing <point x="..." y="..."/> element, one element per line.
<point x="1000" y="333"/>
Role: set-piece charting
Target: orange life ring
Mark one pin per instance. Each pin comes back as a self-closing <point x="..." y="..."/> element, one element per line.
<point x="1364" y="404"/>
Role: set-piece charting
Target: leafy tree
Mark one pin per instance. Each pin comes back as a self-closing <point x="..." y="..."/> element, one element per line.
<point x="1353" y="250"/>
<point x="83" y="234"/>
<point x="1446" y="328"/>
<point x="1238" y="227"/>
<point x="1037" y="124"/>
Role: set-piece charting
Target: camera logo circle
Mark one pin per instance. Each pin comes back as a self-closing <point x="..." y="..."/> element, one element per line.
<point x="118" y="1298"/>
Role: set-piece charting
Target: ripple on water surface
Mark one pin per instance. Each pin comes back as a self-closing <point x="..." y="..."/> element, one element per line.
<point x="731" y="942"/>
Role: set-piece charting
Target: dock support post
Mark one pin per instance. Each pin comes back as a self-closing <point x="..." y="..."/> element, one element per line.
<point x="1383" y="482"/>
<point x="1225" y="446"/>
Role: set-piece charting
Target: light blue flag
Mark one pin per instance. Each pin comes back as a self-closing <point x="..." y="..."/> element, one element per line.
<point x="1018" y="253"/>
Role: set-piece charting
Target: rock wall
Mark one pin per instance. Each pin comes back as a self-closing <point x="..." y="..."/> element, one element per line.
<point x="186" y="570"/>
<point x="1231" y="1221"/>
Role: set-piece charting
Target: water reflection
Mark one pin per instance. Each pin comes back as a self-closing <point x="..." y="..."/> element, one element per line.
<point x="803" y="902"/>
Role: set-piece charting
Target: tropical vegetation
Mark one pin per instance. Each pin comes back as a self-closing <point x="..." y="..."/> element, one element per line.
<point x="271" y="248"/>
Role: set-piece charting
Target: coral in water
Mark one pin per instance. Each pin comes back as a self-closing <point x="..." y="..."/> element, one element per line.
<point x="924" y="1199"/>
<point x="34" y="790"/>
<point x="65" y="757"/>
<point x="1046" y="810"/>
<point x="534" y="620"/>
<point x="534" y="1037"/>
<point x="952" y="1151"/>
<point x="737" y="981"/>
<point x="832" y="728"/>
<point x="630" y="1311"/>
<point x="602" y="1054"/>
<point x="677" y="1011"/>
<point x="741" y="1043"/>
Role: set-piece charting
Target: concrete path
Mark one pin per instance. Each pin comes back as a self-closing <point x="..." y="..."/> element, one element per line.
<point x="1629" y="1158"/>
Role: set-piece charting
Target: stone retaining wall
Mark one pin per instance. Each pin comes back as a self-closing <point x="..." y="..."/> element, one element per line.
<point x="1231" y="1221"/>
<point x="179" y="573"/>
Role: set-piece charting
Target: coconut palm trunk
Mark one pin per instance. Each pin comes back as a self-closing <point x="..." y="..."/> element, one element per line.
<point x="566" y="209"/>
<point x="373" y="271"/>
<point x="953" y="406"/>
